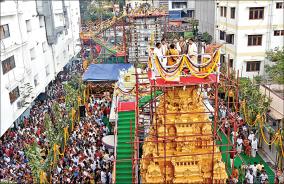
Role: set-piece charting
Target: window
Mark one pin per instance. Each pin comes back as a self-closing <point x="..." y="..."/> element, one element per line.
<point x="223" y="11"/>
<point x="33" y="54"/>
<point x="44" y="47"/>
<point x="230" y="38"/>
<point x="14" y="94"/>
<point x="36" y="80"/>
<point x="233" y="13"/>
<point x="256" y="13"/>
<point x="222" y="35"/>
<point x="179" y="5"/>
<point x="47" y="70"/>
<point x="4" y="31"/>
<point x="64" y="54"/>
<point x="41" y="21"/>
<point x="146" y="53"/>
<point x="146" y="39"/>
<point x="29" y="25"/>
<point x="191" y="13"/>
<point x="254" y="40"/>
<point x="231" y="63"/>
<point x="57" y="60"/>
<point x="279" y="33"/>
<point x="8" y="64"/>
<point x="279" y="5"/>
<point x="253" y="66"/>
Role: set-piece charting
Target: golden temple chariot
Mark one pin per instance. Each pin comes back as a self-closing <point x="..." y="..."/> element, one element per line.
<point x="179" y="147"/>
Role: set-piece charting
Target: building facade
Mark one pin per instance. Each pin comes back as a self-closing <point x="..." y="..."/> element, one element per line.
<point x="248" y="29"/>
<point x="180" y="9"/>
<point x="205" y="13"/>
<point x="140" y="31"/>
<point x="38" y="38"/>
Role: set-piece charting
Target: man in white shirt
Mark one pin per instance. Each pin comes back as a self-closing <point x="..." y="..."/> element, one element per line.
<point x="239" y="144"/>
<point x="164" y="46"/>
<point x="103" y="176"/>
<point x="159" y="54"/>
<point x="249" y="177"/>
<point x="263" y="177"/>
<point x="251" y="136"/>
<point x="192" y="50"/>
<point x="253" y="169"/>
<point x="234" y="135"/>
<point x="253" y="147"/>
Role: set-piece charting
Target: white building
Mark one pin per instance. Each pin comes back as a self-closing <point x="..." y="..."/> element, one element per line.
<point x="38" y="38"/>
<point x="248" y="29"/>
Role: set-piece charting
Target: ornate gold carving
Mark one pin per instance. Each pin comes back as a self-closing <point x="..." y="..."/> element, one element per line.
<point x="179" y="136"/>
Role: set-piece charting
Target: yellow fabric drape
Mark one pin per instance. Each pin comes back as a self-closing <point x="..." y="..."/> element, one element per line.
<point x="73" y="117"/>
<point x="42" y="177"/>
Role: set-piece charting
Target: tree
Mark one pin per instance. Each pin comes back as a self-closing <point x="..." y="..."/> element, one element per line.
<point x="276" y="71"/>
<point x="207" y="38"/>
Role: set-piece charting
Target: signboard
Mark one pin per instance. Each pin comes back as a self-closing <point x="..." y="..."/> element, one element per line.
<point x="174" y="14"/>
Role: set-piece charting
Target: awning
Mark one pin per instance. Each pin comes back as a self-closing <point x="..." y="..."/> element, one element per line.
<point x="108" y="141"/>
<point x="275" y="114"/>
<point x="104" y="72"/>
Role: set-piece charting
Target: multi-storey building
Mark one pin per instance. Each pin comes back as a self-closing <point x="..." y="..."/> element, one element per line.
<point x="248" y="29"/>
<point x="38" y="38"/>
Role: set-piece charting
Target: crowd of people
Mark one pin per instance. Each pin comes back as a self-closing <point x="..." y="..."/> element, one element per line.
<point x="180" y="28"/>
<point x="85" y="157"/>
<point x="246" y="142"/>
<point x="13" y="161"/>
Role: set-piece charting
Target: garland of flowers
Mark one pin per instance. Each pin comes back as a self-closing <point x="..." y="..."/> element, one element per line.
<point x="261" y="119"/>
<point x="186" y="61"/>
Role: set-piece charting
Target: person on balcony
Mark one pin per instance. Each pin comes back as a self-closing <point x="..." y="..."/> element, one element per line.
<point x="172" y="52"/>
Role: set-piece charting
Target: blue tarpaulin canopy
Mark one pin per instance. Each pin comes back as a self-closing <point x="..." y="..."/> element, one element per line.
<point x="104" y="72"/>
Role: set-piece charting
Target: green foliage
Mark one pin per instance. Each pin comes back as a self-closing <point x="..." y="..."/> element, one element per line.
<point x="32" y="152"/>
<point x="188" y="35"/>
<point x="257" y="79"/>
<point x="276" y="71"/>
<point x="54" y="128"/>
<point x="207" y="38"/>
<point x="256" y="102"/>
<point x="95" y="12"/>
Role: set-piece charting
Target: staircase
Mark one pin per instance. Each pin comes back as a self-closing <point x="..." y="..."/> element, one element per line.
<point x="124" y="147"/>
<point x="105" y="45"/>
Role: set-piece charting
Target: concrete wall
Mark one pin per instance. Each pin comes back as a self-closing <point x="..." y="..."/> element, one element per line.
<point x="205" y="13"/>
